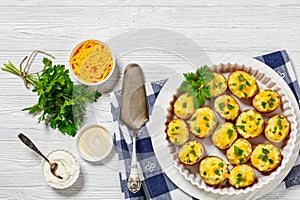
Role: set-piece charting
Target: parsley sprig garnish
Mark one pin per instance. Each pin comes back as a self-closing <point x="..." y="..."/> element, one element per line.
<point x="195" y="85"/>
<point x="60" y="102"/>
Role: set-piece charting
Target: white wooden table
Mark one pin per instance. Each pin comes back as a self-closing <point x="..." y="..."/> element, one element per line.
<point x="252" y="28"/>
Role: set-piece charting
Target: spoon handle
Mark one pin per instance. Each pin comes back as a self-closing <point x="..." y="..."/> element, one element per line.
<point x="30" y="144"/>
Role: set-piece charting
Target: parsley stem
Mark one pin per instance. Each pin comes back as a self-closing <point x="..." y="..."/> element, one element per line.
<point x="9" y="67"/>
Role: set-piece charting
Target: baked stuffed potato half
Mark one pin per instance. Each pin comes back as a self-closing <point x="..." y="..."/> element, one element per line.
<point x="250" y="124"/>
<point x="184" y="106"/>
<point x="242" y="85"/>
<point x="266" y="157"/>
<point x="224" y="135"/>
<point x="213" y="170"/>
<point x="239" y="152"/>
<point x="217" y="85"/>
<point x="266" y="101"/>
<point x="191" y="153"/>
<point x="227" y="107"/>
<point x="177" y="131"/>
<point x="203" y="122"/>
<point x="277" y="128"/>
<point x="242" y="176"/>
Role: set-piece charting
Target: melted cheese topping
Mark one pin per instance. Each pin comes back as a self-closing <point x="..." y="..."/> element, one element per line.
<point x="224" y="135"/>
<point x="265" y="157"/>
<point x="92" y="61"/>
<point x="242" y="176"/>
<point x="239" y="152"/>
<point x="203" y="122"/>
<point x="277" y="128"/>
<point x="178" y="132"/>
<point x="266" y="101"/>
<point x="191" y="153"/>
<point x="213" y="170"/>
<point x="217" y="85"/>
<point x="242" y="84"/>
<point x="227" y="107"/>
<point x="184" y="106"/>
<point x="250" y="124"/>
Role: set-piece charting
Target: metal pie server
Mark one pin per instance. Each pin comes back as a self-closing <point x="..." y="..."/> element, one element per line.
<point x="134" y="113"/>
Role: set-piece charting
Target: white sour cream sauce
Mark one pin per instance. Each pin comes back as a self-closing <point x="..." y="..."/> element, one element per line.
<point x="94" y="142"/>
<point x="67" y="168"/>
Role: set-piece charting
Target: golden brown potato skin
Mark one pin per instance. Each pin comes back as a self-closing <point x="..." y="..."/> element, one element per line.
<point x="238" y="157"/>
<point x="250" y="124"/>
<point x="277" y="133"/>
<point x="217" y="86"/>
<point x="242" y="85"/>
<point x="224" y="135"/>
<point x="266" y="157"/>
<point x="230" y="107"/>
<point x="242" y="176"/>
<point x="203" y="122"/>
<point x="200" y="151"/>
<point x="266" y="101"/>
<point x="213" y="170"/>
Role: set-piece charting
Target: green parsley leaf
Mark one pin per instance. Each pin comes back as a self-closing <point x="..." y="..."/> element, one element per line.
<point x="238" y="151"/>
<point x="221" y="106"/>
<point x="229" y="133"/>
<point x="195" y="85"/>
<point x="230" y="107"/>
<point x="265" y="151"/>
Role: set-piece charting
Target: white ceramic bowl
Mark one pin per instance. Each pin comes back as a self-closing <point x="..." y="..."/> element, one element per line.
<point x="110" y="78"/>
<point x="68" y="168"/>
<point x="94" y="142"/>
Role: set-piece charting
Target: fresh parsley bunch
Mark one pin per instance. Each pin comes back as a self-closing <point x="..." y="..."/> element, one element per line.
<point x="61" y="102"/>
<point x="195" y="85"/>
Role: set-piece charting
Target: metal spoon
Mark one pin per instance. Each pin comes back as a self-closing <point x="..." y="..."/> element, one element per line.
<point x="29" y="143"/>
<point x="134" y="113"/>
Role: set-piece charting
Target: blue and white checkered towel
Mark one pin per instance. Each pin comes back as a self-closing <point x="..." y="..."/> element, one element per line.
<point x="155" y="184"/>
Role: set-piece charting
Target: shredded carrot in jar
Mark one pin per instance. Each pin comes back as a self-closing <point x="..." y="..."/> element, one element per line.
<point x="92" y="61"/>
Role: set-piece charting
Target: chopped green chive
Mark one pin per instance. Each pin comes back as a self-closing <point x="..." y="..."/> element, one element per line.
<point x="275" y="128"/>
<point x="220" y="85"/>
<point x="197" y="129"/>
<point x="176" y="127"/>
<point x="229" y="133"/>
<point x="217" y="172"/>
<point x="263" y="104"/>
<point x="250" y="117"/>
<point x="205" y="118"/>
<point x="221" y="165"/>
<point x="238" y="151"/>
<point x="241" y="87"/>
<point x="176" y="141"/>
<point x="241" y="160"/>
<point x="241" y="77"/>
<point x="239" y="179"/>
<point x="192" y="151"/>
<point x="271" y="161"/>
<point x="245" y="94"/>
<point x="184" y="105"/>
<point x="247" y="83"/>
<point x="279" y="123"/>
<point x="265" y="151"/>
<point x="221" y="106"/>
<point x="230" y="107"/>
<point x="207" y="125"/>
<point x="204" y="173"/>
